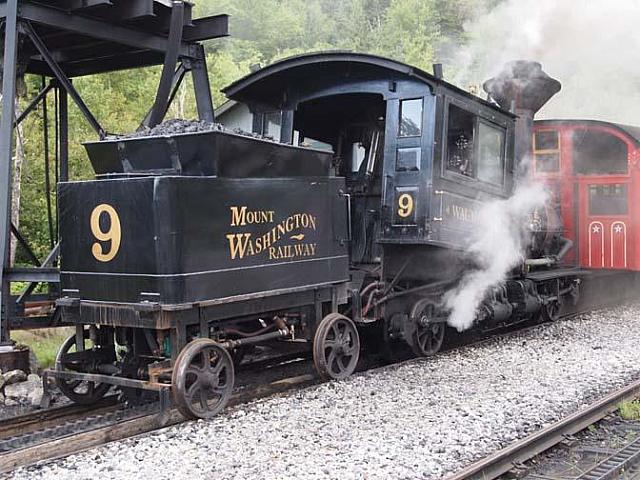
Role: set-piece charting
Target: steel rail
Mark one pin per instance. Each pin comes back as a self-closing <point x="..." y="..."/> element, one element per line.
<point x="516" y="454"/>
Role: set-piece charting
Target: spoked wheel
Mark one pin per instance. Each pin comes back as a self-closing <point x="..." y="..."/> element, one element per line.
<point x="78" y="391"/>
<point x="550" y="311"/>
<point x="202" y="379"/>
<point x="428" y="332"/>
<point x="336" y="347"/>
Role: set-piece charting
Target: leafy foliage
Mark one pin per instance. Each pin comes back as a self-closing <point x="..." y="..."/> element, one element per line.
<point x="418" y="32"/>
<point x="630" y="410"/>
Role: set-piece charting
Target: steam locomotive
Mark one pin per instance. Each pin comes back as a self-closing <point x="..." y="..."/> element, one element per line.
<point x="188" y="249"/>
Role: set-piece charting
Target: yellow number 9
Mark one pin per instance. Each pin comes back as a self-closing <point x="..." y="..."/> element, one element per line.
<point x="112" y="235"/>
<point x="405" y="205"/>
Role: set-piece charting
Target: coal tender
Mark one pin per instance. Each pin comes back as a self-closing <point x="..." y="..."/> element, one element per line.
<point x="190" y="250"/>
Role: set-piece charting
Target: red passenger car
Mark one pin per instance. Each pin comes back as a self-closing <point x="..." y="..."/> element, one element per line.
<point x="592" y="169"/>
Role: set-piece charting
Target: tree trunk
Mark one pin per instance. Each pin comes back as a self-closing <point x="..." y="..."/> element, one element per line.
<point x="178" y="106"/>
<point x="18" y="161"/>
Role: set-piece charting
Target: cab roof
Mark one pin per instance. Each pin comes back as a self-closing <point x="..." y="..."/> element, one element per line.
<point x="267" y="85"/>
<point x="630" y="131"/>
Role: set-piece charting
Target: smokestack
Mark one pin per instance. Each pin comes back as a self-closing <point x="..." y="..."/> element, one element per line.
<point x="524" y="85"/>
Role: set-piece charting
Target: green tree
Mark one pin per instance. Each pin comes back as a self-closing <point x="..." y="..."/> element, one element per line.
<point x="418" y="32"/>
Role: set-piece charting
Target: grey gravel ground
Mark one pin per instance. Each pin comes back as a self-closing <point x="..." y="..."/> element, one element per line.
<point x="421" y="419"/>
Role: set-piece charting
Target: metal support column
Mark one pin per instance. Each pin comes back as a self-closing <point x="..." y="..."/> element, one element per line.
<point x="257" y="125"/>
<point x="286" y="129"/>
<point x="170" y="60"/>
<point x="6" y="156"/>
<point x="202" y="87"/>
<point x="178" y="77"/>
<point x="63" y="112"/>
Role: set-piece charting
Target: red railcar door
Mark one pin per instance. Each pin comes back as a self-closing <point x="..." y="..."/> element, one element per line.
<point x="603" y="224"/>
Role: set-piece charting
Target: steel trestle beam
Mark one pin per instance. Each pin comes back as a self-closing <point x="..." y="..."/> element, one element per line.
<point x="171" y="58"/>
<point x="34" y="104"/>
<point x="6" y="154"/>
<point x="95" y="28"/>
<point x="178" y="77"/>
<point x="62" y="78"/>
<point x="202" y="87"/>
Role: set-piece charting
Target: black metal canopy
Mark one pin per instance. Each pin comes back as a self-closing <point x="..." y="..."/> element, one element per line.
<point x="94" y="36"/>
<point x="269" y="85"/>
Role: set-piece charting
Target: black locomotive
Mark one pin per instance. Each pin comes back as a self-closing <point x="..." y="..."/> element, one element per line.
<point x="187" y="249"/>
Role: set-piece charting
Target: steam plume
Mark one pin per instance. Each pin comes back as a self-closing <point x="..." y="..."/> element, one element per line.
<point x="497" y="248"/>
<point x="589" y="45"/>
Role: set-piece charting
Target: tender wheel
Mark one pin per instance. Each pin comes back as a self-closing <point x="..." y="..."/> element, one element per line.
<point x="78" y="391"/>
<point x="202" y="379"/>
<point x="428" y="329"/>
<point x="336" y="347"/>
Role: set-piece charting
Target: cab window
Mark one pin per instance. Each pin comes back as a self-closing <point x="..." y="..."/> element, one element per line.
<point x="608" y="199"/>
<point x="410" y="118"/>
<point x="546" y="151"/>
<point x="599" y="153"/>
<point x="460" y="129"/>
<point x="490" y="154"/>
<point x="475" y="148"/>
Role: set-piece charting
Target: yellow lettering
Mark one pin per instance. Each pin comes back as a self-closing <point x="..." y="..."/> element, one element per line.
<point x="238" y="244"/>
<point x="113" y="235"/>
<point x="238" y="216"/>
<point x="289" y="224"/>
<point x="405" y="205"/>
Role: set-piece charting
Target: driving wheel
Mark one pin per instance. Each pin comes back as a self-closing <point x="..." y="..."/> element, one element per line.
<point x="336" y="347"/>
<point x="551" y="311"/>
<point x="428" y="329"/>
<point x="202" y="379"/>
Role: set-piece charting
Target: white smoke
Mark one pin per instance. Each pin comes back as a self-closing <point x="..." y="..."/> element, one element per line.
<point x="497" y="248"/>
<point x="591" y="46"/>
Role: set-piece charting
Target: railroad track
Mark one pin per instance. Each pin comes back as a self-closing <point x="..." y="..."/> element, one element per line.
<point x="514" y="456"/>
<point x="42" y="419"/>
<point x="621" y="461"/>
<point x="62" y="431"/>
<point x="74" y="433"/>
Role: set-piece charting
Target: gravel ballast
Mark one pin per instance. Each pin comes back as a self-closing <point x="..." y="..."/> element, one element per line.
<point x="421" y="419"/>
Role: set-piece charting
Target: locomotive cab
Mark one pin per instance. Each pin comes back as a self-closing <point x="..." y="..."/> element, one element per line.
<point x="419" y="155"/>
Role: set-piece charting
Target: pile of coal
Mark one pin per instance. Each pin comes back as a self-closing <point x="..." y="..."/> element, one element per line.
<point x="180" y="126"/>
<point x="175" y="127"/>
